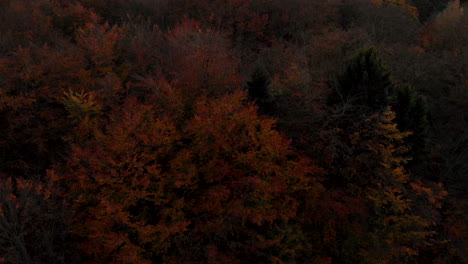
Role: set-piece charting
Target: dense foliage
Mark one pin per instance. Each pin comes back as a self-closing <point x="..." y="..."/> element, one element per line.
<point x="233" y="131"/>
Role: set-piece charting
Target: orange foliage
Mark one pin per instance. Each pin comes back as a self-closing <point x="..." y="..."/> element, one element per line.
<point x="144" y="186"/>
<point x="200" y="61"/>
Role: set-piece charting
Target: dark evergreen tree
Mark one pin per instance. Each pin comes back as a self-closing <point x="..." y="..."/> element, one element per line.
<point x="412" y="115"/>
<point x="258" y="91"/>
<point x="365" y="87"/>
<point x="365" y="84"/>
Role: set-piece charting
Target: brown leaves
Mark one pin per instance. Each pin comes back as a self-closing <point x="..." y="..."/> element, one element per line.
<point x="223" y="173"/>
<point x="101" y="45"/>
<point x="114" y="179"/>
<point x="201" y="63"/>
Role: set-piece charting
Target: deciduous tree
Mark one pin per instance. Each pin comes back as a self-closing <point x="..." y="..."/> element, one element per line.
<point x="222" y="189"/>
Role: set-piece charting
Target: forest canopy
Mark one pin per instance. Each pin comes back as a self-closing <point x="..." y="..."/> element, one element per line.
<point x="233" y="131"/>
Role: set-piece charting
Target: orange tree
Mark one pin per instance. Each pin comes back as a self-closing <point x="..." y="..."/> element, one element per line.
<point x="50" y="48"/>
<point x="223" y="187"/>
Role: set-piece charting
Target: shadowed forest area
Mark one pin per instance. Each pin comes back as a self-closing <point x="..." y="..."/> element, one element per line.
<point x="233" y="131"/>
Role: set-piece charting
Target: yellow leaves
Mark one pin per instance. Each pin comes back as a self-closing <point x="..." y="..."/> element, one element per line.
<point x="399" y="223"/>
<point x="83" y="108"/>
<point x="378" y="153"/>
<point x="81" y="104"/>
<point x="388" y="142"/>
<point x="387" y="128"/>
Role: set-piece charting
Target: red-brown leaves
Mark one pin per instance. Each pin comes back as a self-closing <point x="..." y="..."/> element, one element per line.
<point x="235" y="147"/>
<point x="200" y="61"/>
<point x="116" y="179"/>
<point x="100" y="45"/>
<point x="146" y="186"/>
<point x="245" y="180"/>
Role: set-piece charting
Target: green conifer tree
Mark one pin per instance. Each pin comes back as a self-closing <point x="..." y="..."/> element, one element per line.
<point x="258" y="91"/>
<point x="412" y="115"/>
<point x="365" y="84"/>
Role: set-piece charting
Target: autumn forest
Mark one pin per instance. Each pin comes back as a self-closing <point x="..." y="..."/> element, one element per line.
<point x="233" y="131"/>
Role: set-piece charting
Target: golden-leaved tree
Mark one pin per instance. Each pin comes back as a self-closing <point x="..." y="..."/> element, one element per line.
<point x="400" y="210"/>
